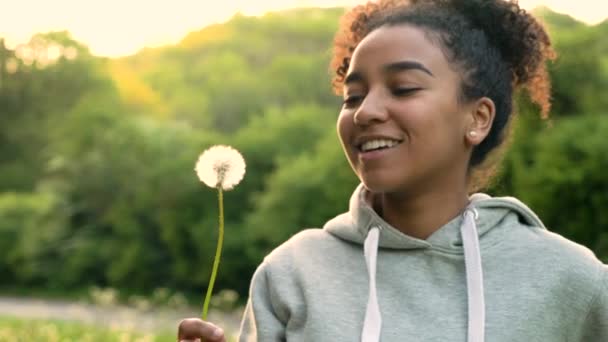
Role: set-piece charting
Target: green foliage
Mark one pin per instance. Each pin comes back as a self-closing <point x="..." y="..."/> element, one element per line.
<point x="31" y="228"/>
<point x="34" y="95"/>
<point x="127" y="217"/>
<point x="304" y="191"/>
<point x="97" y="155"/>
<point x="223" y="76"/>
<point x="566" y="183"/>
<point x="580" y="73"/>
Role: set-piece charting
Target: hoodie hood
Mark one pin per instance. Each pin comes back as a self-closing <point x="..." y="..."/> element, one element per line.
<point x="493" y="214"/>
<point x="483" y="222"/>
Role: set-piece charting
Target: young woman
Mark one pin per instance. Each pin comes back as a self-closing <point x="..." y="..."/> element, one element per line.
<point x="428" y="90"/>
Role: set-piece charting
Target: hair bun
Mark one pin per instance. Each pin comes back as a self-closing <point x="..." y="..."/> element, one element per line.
<point x="521" y="39"/>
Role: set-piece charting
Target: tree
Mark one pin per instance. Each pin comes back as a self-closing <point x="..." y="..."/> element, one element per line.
<point x="567" y="184"/>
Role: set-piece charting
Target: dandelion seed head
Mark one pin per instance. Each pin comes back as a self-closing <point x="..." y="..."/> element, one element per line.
<point x="220" y="166"/>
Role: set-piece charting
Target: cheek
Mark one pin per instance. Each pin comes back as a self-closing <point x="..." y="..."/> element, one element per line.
<point x="434" y="111"/>
<point x="445" y="129"/>
<point x="429" y="124"/>
<point x="344" y="126"/>
<point x="415" y="119"/>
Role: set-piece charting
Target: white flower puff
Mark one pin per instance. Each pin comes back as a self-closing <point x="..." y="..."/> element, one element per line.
<point x="220" y="166"/>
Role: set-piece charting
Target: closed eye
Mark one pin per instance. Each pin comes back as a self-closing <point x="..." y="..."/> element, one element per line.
<point x="352" y="100"/>
<point x="400" y="92"/>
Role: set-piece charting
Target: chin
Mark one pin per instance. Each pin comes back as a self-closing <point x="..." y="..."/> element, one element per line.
<point x="394" y="182"/>
<point x="378" y="185"/>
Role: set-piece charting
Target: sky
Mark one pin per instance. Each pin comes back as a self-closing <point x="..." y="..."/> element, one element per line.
<point x="122" y="27"/>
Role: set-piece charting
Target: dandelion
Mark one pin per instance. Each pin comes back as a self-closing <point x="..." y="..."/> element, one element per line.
<point x="220" y="167"/>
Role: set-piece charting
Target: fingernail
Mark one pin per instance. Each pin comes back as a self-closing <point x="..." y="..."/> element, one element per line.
<point x="217" y="333"/>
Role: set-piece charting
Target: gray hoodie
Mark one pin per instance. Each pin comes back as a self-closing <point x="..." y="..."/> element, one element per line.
<point x="494" y="273"/>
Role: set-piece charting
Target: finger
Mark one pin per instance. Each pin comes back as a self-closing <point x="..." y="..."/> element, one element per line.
<point x="194" y="328"/>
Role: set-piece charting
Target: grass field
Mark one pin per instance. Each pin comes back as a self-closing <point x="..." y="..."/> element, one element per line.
<point x="18" y="330"/>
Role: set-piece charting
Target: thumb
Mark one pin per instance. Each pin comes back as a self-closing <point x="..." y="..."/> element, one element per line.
<point x="193" y="328"/>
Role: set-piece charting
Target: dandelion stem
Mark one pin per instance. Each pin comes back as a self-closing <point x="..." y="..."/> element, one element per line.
<point x="218" y="253"/>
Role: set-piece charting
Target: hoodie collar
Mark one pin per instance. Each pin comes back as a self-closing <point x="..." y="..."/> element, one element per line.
<point x="494" y="215"/>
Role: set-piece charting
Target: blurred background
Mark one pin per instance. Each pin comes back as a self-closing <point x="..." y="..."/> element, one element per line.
<point x="106" y="234"/>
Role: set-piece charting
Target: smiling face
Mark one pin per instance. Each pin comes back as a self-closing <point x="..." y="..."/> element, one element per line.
<point x="402" y="126"/>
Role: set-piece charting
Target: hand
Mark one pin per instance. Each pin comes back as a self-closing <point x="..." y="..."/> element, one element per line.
<point x="194" y="329"/>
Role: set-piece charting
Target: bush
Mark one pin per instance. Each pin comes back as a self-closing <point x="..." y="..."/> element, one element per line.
<point x="566" y="182"/>
<point x="30" y="226"/>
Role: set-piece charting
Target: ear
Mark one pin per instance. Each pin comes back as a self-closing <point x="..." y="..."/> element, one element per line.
<point x="481" y="117"/>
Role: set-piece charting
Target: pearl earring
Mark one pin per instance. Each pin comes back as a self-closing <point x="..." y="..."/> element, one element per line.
<point x="473" y="134"/>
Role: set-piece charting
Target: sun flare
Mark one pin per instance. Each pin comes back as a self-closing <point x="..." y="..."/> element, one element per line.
<point x="117" y="28"/>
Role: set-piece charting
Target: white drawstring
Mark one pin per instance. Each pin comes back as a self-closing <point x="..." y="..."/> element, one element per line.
<point x="373" y="320"/>
<point x="472" y="259"/>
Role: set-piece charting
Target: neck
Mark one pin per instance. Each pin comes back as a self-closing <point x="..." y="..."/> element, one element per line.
<point x="421" y="216"/>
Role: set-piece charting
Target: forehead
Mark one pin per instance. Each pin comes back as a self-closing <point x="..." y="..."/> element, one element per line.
<point x="390" y="44"/>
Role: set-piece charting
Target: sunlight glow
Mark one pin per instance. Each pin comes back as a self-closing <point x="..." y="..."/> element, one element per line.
<point x="117" y="27"/>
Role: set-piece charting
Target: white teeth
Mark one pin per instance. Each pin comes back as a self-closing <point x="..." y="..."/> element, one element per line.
<point x="380" y="143"/>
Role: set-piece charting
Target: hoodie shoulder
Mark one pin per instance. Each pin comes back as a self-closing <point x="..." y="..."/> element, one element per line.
<point x="554" y="256"/>
<point x="305" y="242"/>
<point x="529" y="232"/>
<point x="558" y="244"/>
<point x="573" y="268"/>
<point x="558" y="248"/>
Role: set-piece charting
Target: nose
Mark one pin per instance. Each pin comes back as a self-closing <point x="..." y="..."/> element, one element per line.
<point x="371" y="110"/>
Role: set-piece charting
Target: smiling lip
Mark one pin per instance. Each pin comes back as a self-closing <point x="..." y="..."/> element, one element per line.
<point x="365" y="138"/>
<point x="374" y="154"/>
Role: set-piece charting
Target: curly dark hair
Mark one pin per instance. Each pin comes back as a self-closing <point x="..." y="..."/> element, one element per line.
<point x="497" y="46"/>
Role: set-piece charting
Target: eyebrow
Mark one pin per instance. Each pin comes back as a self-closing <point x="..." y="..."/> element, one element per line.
<point x="406" y="65"/>
<point x="390" y="68"/>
